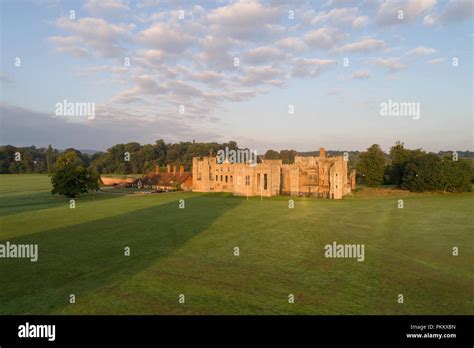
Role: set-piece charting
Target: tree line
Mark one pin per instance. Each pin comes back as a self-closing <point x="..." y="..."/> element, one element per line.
<point x="414" y="170"/>
<point x="130" y="158"/>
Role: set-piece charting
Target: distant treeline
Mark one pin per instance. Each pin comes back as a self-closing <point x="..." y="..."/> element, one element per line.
<point x="130" y="158"/>
<point x="415" y="170"/>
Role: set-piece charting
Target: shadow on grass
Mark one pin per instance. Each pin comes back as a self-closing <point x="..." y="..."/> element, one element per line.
<point x="45" y="200"/>
<point x="82" y="258"/>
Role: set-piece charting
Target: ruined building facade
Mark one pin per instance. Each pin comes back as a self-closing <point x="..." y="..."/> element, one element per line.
<point x="322" y="176"/>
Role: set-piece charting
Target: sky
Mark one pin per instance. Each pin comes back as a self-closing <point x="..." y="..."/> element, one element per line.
<point x="234" y="70"/>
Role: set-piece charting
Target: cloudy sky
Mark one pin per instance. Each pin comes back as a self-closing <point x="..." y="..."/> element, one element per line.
<point x="236" y="68"/>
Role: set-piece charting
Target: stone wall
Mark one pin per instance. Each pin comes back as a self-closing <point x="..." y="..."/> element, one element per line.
<point x="321" y="176"/>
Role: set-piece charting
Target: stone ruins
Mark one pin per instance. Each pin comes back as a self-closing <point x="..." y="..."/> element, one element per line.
<point x="325" y="177"/>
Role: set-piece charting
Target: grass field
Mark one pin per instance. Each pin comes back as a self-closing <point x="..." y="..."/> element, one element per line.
<point x="190" y="251"/>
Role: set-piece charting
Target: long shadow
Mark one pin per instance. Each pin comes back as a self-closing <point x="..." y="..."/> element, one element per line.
<point x="82" y="258"/>
<point x="45" y="200"/>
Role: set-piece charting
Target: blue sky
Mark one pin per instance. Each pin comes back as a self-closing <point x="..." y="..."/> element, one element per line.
<point x="402" y="56"/>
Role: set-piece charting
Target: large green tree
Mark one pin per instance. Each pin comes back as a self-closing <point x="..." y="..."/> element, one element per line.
<point x="71" y="178"/>
<point x="371" y="166"/>
<point x="428" y="172"/>
<point x="398" y="156"/>
<point x="423" y="174"/>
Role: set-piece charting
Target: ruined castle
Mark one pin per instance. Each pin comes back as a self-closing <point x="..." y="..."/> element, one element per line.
<point x="326" y="177"/>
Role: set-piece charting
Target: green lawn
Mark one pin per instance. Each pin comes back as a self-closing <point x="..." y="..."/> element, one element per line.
<point x="190" y="251"/>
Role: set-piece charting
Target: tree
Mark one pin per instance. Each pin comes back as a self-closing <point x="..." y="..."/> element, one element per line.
<point x="71" y="178"/>
<point x="428" y="172"/>
<point x="371" y="165"/>
<point x="272" y="154"/>
<point x="423" y="174"/>
<point x="456" y="175"/>
<point x="288" y="156"/>
<point x="398" y="156"/>
<point x="49" y="159"/>
<point x="69" y="158"/>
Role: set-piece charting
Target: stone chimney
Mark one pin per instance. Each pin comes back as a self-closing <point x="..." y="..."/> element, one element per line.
<point x="174" y="169"/>
<point x="181" y="170"/>
<point x="322" y="152"/>
<point x="168" y="168"/>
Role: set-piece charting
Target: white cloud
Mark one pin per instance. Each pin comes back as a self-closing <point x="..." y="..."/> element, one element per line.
<point x="191" y="61"/>
<point x="454" y="11"/>
<point x="261" y="75"/>
<point x="148" y="85"/>
<point x="437" y="60"/>
<point x="392" y="64"/>
<point x="68" y="44"/>
<point x="262" y="55"/>
<point x="364" y="46"/>
<point x="245" y="19"/>
<point x="166" y="38"/>
<point x="182" y="89"/>
<point x="306" y="68"/>
<point x="243" y="12"/>
<point x="202" y="48"/>
<point x="346" y="16"/>
<point x="360" y="21"/>
<point x="216" y="52"/>
<point x="324" y="37"/>
<point x="91" y="36"/>
<point x="293" y="44"/>
<point x="209" y="77"/>
<point x="142" y="85"/>
<point x="389" y="11"/>
<point x="421" y="51"/>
